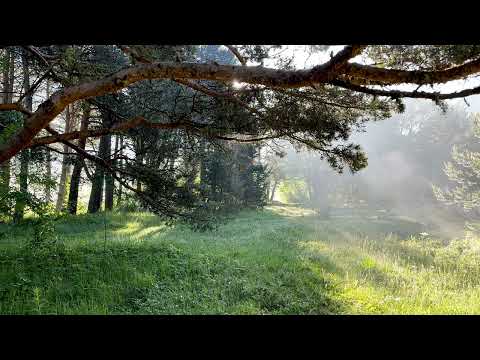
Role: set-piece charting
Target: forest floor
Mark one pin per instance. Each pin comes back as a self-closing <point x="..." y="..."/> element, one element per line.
<point x="282" y="260"/>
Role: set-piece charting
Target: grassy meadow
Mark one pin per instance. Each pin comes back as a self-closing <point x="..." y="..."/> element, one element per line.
<point x="281" y="260"/>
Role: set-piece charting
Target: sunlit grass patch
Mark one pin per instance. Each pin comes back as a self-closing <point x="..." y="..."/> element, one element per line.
<point x="292" y="211"/>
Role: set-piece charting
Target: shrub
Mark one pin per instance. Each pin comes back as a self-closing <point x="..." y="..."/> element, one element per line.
<point x="44" y="241"/>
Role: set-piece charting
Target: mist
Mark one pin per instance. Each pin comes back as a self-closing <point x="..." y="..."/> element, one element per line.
<point x="406" y="156"/>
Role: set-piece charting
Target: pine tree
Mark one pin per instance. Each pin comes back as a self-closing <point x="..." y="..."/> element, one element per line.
<point x="464" y="171"/>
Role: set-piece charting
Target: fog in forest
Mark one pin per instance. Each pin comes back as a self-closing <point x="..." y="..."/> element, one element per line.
<point x="407" y="155"/>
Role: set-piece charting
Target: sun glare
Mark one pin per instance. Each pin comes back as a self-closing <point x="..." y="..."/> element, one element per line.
<point x="237" y="85"/>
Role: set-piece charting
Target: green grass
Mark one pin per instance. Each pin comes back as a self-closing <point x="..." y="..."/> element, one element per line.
<point x="283" y="260"/>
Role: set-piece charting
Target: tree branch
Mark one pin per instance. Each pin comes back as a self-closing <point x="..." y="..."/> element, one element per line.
<point x="395" y="94"/>
<point x="47" y="111"/>
<point x="220" y="137"/>
<point x="15" y="107"/>
<point x="122" y="127"/>
<point x="35" y="85"/>
<point x="235" y="52"/>
<point x="213" y="93"/>
<point x="39" y="54"/>
<point x="336" y="64"/>
<point x="392" y="76"/>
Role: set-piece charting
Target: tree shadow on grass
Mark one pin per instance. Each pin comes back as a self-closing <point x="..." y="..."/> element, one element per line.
<point x="163" y="277"/>
<point x="218" y="285"/>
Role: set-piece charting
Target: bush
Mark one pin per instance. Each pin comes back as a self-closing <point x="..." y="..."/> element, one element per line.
<point x="44" y="241"/>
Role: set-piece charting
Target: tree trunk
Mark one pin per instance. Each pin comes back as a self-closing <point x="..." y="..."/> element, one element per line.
<point x="6" y="99"/>
<point x="23" y="182"/>
<point x="95" y="201"/>
<point x="235" y="181"/>
<point x="274" y="187"/>
<point x="119" y="198"/>
<point x="109" y="181"/>
<point x="321" y="201"/>
<point x="5" y="76"/>
<point x="24" y="154"/>
<point x="65" y="165"/>
<point x="115" y="164"/>
<point x="77" y="169"/>
<point x="139" y="160"/>
<point x="5" y="177"/>
<point x="48" y="193"/>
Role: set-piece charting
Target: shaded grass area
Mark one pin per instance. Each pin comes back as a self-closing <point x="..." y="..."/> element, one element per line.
<point x="282" y="260"/>
<point x="249" y="266"/>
